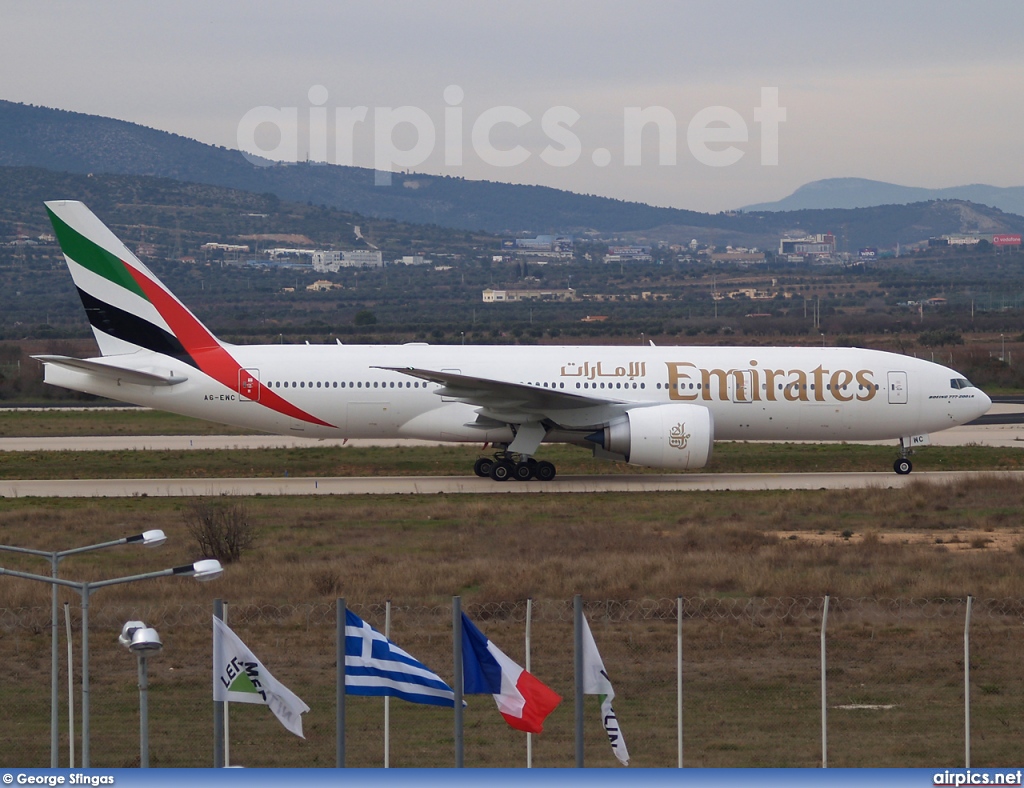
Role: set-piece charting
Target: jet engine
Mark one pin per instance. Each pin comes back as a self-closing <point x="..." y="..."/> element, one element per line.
<point x="660" y="436"/>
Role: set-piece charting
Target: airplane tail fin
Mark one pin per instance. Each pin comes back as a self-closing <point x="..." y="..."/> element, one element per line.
<point x="128" y="307"/>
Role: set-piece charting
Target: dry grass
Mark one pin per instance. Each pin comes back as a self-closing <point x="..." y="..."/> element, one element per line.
<point x="749" y="681"/>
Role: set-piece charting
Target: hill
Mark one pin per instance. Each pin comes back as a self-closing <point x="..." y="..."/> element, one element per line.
<point x="58" y="140"/>
<point x="863" y="193"/>
<point x="75" y="142"/>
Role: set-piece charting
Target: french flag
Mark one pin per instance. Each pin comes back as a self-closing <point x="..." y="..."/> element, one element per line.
<point x="522" y="699"/>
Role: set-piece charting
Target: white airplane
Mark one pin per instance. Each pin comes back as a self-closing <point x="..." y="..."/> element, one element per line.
<point x="659" y="407"/>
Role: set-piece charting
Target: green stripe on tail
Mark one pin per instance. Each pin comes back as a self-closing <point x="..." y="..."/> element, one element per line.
<point x="90" y="255"/>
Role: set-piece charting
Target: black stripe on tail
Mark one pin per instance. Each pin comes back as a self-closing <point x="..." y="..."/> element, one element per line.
<point x="131" y="328"/>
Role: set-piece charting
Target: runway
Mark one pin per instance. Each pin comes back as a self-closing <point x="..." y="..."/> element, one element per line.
<point x="1008" y="433"/>
<point x="464" y="485"/>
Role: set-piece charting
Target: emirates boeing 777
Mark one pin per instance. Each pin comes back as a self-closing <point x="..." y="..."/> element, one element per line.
<point x="661" y="407"/>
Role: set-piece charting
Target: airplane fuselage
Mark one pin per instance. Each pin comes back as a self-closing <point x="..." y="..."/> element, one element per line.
<point x="755" y="393"/>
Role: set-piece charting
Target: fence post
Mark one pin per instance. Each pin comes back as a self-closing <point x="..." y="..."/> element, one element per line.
<point x="824" y="690"/>
<point x="339" y="724"/>
<point x="679" y="677"/>
<point x="967" y="684"/>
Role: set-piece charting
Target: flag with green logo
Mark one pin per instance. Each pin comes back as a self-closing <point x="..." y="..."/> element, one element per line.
<point x="596" y="682"/>
<point x="238" y="677"/>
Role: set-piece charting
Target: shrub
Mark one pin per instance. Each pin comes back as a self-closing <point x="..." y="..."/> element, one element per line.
<point x="220" y="531"/>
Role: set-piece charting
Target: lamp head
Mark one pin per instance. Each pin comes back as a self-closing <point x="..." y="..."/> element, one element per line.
<point x="146" y="641"/>
<point x="127" y="631"/>
<point x="153" y="538"/>
<point x="207" y="569"/>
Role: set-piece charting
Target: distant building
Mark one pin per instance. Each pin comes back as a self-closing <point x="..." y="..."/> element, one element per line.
<point x="332" y="261"/>
<point x="628" y="254"/>
<point x="551" y="246"/>
<point x="323" y="285"/>
<point x="492" y="296"/>
<point x="742" y="258"/>
<point x="822" y="244"/>
<point x="960" y="239"/>
<point x="413" y="259"/>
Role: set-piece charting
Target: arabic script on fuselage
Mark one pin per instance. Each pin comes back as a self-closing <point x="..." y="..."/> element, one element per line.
<point x="687" y="382"/>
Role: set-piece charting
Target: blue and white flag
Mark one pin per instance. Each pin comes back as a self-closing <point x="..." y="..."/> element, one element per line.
<point x="376" y="666"/>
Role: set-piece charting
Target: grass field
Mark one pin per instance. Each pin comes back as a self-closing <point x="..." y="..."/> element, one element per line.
<point x="321" y="461"/>
<point x="751" y="678"/>
<point x="752" y="568"/>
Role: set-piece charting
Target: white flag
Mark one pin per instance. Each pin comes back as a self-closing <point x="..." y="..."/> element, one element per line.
<point x="596" y="682"/>
<point x="238" y="677"/>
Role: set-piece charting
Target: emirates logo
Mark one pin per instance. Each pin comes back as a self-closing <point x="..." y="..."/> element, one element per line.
<point x="678" y="437"/>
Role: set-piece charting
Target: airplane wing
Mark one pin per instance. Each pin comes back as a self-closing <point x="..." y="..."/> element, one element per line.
<point x="121" y="374"/>
<point x="515" y="402"/>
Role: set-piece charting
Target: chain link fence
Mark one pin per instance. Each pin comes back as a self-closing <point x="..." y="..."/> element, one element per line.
<point x="751" y="684"/>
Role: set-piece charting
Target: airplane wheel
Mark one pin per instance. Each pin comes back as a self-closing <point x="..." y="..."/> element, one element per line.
<point x="501" y="471"/>
<point x="522" y="471"/>
<point x="545" y="471"/>
<point x="482" y="467"/>
<point x="902" y="466"/>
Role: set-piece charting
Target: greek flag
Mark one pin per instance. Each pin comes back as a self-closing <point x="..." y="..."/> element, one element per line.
<point x="376" y="666"/>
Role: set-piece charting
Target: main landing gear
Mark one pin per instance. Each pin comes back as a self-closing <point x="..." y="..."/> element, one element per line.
<point x="903" y="465"/>
<point x="507" y="465"/>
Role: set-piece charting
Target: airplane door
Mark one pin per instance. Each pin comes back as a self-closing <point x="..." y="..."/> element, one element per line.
<point x="248" y="385"/>
<point x="740" y="385"/>
<point x="898" y="394"/>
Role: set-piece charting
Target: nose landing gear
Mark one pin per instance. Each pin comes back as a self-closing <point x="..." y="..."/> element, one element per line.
<point x="903" y="465"/>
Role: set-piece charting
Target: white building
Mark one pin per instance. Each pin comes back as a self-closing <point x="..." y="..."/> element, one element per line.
<point x="331" y="261"/>
<point x="492" y="296"/>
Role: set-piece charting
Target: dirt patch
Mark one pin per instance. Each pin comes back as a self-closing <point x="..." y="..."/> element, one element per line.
<point x="965" y="539"/>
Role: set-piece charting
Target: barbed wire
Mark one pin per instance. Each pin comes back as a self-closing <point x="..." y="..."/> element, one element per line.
<point x="755" y="610"/>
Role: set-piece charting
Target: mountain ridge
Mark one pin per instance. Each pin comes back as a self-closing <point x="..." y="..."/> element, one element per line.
<point x="60" y="140"/>
<point x="865" y="193"/>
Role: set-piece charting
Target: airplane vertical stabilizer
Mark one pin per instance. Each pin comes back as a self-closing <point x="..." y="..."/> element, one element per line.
<point x="128" y="307"/>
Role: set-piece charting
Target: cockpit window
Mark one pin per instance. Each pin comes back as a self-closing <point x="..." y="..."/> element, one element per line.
<point x="960" y="383"/>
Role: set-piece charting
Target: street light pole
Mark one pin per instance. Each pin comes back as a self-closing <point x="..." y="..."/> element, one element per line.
<point x="204" y="569"/>
<point x="142" y="641"/>
<point x="153" y="538"/>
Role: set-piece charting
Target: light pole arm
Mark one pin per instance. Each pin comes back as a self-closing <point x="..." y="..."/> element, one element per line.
<point x="187" y="570"/>
<point x="90" y="548"/>
<point x="28" y="551"/>
<point x="55" y="581"/>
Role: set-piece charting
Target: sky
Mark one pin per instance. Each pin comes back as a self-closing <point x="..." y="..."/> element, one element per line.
<point x="698" y="105"/>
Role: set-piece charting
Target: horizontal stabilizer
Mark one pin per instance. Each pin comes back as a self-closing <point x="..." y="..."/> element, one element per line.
<point x="121" y="374"/>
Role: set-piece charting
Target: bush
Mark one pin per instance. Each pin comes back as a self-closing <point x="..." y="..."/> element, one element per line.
<point x="222" y="531"/>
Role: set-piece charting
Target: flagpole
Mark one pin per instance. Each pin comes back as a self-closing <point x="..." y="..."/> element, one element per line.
<point x="227" y="709"/>
<point x="529" y="623"/>
<point x="387" y="698"/>
<point x="679" y="676"/>
<point x="458" y="678"/>
<point x="340" y="690"/>
<point x="71" y="691"/>
<point x="218" y="705"/>
<point x="577" y="632"/>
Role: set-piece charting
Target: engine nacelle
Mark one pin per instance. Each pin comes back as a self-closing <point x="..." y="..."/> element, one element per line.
<point x="661" y="436"/>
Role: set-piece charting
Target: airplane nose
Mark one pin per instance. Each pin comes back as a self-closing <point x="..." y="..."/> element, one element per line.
<point x="984" y="403"/>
